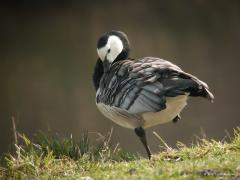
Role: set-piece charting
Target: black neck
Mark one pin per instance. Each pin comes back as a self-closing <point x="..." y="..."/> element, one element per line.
<point x="122" y="56"/>
<point x="99" y="69"/>
<point x="98" y="72"/>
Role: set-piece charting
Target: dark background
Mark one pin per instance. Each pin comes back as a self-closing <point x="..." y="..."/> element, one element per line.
<point x="48" y="51"/>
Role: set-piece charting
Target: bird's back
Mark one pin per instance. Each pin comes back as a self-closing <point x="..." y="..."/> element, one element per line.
<point x="143" y="87"/>
<point x="148" y="79"/>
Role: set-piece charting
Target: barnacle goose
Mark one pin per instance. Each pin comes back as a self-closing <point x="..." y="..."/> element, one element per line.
<point x="140" y="93"/>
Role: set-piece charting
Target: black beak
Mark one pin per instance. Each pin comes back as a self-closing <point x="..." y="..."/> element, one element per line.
<point x="106" y="65"/>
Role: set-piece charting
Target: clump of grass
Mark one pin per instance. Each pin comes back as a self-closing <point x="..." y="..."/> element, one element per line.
<point x="54" y="157"/>
<point x="60" y="146"/>
<point x="48" y="152"/>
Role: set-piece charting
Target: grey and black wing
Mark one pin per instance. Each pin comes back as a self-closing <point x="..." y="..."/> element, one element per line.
<point x="143" y="85"/>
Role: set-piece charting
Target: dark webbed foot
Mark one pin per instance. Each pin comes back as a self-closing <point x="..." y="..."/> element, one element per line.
<point x="176" y="119"/>
<point x="142" y="136"/>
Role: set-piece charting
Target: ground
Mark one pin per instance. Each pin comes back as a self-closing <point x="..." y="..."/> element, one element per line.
<point x="62" y="158"/>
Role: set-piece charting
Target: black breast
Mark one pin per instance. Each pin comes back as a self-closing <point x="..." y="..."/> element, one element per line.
<point x="97" y="74"/>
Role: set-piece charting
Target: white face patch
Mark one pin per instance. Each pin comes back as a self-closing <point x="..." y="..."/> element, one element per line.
<point x="111" y="50"/>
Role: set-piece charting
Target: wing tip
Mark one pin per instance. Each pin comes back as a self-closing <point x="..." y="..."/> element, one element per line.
<point x="209" y="95"/>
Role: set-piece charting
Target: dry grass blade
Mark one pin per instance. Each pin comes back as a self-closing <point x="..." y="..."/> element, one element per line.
<point x="14" y="128"/>
<point x="162" y="141"/>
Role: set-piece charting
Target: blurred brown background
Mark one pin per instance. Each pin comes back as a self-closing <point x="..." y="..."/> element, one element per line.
<point x="48" y="51"/>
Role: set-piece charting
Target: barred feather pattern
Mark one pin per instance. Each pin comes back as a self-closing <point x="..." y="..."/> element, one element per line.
<point x="142" y="85"/>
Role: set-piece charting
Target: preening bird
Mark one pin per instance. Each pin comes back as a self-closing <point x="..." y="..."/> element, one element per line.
<point x="143" y="92"/>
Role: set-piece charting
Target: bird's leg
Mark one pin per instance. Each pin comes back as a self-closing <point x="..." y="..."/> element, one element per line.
<point x="142" y="136"/>
<point x="176" y="119"/>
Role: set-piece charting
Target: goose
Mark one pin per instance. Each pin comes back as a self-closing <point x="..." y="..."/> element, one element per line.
<point x="143" y="92"/>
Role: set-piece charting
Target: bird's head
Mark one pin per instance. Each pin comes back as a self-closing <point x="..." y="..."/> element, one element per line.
<point x="112" y="46"/>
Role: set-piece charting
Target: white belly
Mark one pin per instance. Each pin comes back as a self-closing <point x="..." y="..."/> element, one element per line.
<point x="174" y="105"/>
<point x="120" y="117"/>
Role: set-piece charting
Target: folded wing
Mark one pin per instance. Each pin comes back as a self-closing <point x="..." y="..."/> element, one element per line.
<point x="144" y="84"/>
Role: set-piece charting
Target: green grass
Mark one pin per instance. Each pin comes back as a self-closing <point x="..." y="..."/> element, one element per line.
<point x="49" y="157"/>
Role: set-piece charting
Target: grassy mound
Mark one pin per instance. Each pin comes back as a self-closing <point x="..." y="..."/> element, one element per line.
<point x="60" y="158"/>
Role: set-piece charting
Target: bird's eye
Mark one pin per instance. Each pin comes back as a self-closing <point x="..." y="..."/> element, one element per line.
<point x="108" y="50"/>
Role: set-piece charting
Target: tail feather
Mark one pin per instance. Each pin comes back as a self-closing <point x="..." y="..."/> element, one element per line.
<point x="209" y="95"/>
<point x="202" y="87"/>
